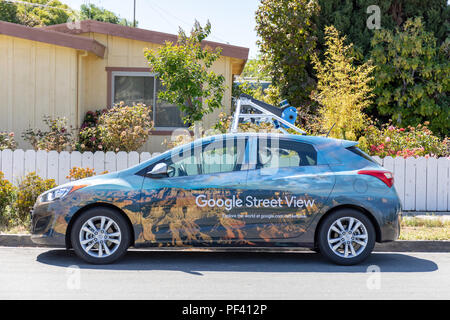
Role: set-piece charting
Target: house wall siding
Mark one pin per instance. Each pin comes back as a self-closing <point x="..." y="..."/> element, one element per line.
<point x="36" y="79"/>
<point x="122" y="52"/>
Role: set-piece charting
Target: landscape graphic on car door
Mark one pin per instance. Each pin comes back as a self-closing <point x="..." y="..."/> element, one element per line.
<point x="286" y="173"/>
<point x="190" y="205"/>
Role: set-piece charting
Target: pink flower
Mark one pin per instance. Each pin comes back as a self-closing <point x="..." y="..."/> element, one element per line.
<point x="387" y="139"/>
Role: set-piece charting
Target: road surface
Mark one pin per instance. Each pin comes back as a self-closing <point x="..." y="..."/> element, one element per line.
<point x="45" y="273"/>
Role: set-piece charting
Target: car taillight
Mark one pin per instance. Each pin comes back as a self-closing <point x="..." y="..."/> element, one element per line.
<point x="386" y="176"/>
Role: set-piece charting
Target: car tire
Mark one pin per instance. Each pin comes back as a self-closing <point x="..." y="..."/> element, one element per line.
<point x="355" y="230"/>
<point x="106" y="243"/>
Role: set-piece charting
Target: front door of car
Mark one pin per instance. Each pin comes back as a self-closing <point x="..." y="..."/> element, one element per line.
<point x="190" y="204"/>
<point x="287" y="188"/>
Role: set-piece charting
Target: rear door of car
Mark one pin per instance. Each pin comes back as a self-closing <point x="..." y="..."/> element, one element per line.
<point x="286" y="189"/>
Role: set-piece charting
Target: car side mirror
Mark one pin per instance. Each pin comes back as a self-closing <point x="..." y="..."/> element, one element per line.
<point x="158" y="171"/>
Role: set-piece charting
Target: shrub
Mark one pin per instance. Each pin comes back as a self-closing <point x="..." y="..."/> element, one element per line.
<point x="77" y="173"/>
<point x="406" y="142"/>
<point x="89" y="135"/>
<point x="125" y="128"/>
<point x="7" y="193"/>
<point x="58" y="137"/>
<point x="30" y="187"/>
<point x="7" y="141"/>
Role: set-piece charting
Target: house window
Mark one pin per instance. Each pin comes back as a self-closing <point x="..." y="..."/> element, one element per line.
<point x="143" y="87"/>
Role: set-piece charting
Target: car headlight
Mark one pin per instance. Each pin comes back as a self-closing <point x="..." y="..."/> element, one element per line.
<point x="58" y="193"/>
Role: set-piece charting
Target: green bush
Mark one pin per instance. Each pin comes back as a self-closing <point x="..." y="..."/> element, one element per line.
<point x="89" y="135"/>
<point x="405" y="142"/>
<point x="125" y="128"/>
<point x="30" y="187"/>
<point x="58" y="137"/>
<point x="7" y="193"/>
<point x="7" y="141"/>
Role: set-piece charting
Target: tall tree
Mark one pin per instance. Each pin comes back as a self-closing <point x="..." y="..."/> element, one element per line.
<point x="35" y="13"/>
<point x="92" y="12"/>
<point x="8" y="12"/>
<point x="343" y="89"/>
<point x="287" y="39"/>
<point x="412" y="78"/>
<point x="350" y="18"/>
<point x="185" y="72"/>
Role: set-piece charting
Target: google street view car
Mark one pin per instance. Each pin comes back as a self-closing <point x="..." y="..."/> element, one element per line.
<point x="231" y="190"/>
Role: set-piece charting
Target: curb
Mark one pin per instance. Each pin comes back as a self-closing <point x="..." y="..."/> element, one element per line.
<point x="16" y="240"/>
<point x="24" y="240"/>
<point x="413" y="246"/>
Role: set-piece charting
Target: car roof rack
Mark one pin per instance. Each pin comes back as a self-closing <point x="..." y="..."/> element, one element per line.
<point x="257" y="111"/>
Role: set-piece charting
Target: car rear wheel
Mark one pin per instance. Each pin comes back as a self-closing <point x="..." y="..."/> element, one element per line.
<point x="346" y="237"/>
<point x="100" y="236"/>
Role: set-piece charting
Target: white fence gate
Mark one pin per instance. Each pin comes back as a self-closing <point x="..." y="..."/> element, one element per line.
<point x="422" y="184"/>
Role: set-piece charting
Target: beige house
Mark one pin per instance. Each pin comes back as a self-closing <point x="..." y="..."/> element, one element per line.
<point x="69" y="69"/>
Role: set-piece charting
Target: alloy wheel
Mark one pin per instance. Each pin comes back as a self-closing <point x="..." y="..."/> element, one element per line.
<point x="100" y="236"/>
<point x="347" y="237"/>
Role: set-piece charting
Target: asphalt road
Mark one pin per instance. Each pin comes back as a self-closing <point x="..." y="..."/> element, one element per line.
<point x="41" y="273"/>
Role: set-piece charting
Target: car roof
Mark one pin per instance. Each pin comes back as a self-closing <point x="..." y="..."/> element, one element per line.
<point x="303" y="138"/>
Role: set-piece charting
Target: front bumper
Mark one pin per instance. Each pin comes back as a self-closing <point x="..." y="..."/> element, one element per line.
<point x="43" y="223"/>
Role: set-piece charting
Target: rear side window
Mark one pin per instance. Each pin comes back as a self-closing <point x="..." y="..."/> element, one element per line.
<point x="280" y="153"/>
<point x="361" y="153"/>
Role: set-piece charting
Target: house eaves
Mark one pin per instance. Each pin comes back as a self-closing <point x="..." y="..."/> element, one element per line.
<point x="88" y="26"/>
<point x="52" y="37"/>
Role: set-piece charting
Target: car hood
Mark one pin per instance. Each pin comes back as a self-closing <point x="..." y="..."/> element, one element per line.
<point x="92" y="180"/>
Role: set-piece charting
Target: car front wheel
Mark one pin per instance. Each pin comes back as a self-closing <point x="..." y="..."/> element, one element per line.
<point x="346" y="237"/>
<point x="100" y="236"/>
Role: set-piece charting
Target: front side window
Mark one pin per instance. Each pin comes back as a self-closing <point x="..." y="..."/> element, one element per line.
<point x="143" y="87"/>
<point x="281" y="153"/>
<point x="219" y="156"/>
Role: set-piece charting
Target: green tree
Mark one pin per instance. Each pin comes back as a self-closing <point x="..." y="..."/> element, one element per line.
<point x="287" y="39"/>
<point x="92" y="12"/>
<point x="8" y="12"/>
<point x="36" y="13"/>
<point x="350" y="17"/>
<point x="254" y="68"/>
<point x="412" y="76"/>
<point x="184" y="71"/>
<point x="343" y="89"/>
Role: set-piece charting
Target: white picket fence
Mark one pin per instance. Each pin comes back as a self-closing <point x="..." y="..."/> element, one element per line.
<point x="422" y="184"/>
<point x="53" y="165"/>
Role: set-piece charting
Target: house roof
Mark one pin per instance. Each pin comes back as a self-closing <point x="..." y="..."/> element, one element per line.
<point x="86" y="26"/>
<point x="52" y="37"/>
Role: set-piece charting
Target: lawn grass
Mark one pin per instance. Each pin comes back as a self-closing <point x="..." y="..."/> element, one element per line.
<point x="425" y="228"/>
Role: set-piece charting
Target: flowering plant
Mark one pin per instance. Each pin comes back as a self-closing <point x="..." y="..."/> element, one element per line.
<point x="77" y="173"/>
<point x="125" y="128"/>
<point x="58" y="137"/>
<point x="403" y="142"/>
<point x="89" y="135"/>
<point x="7" y="141"/>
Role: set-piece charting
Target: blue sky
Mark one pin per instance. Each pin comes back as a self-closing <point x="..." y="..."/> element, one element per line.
<point x="233" y="21"/>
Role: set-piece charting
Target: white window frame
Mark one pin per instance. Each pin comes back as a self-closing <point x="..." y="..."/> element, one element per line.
<point x="141" y="74"/>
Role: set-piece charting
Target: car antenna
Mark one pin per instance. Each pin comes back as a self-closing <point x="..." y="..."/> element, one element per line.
<point x="330" y="130"/>
<point x="282" y="117"/>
